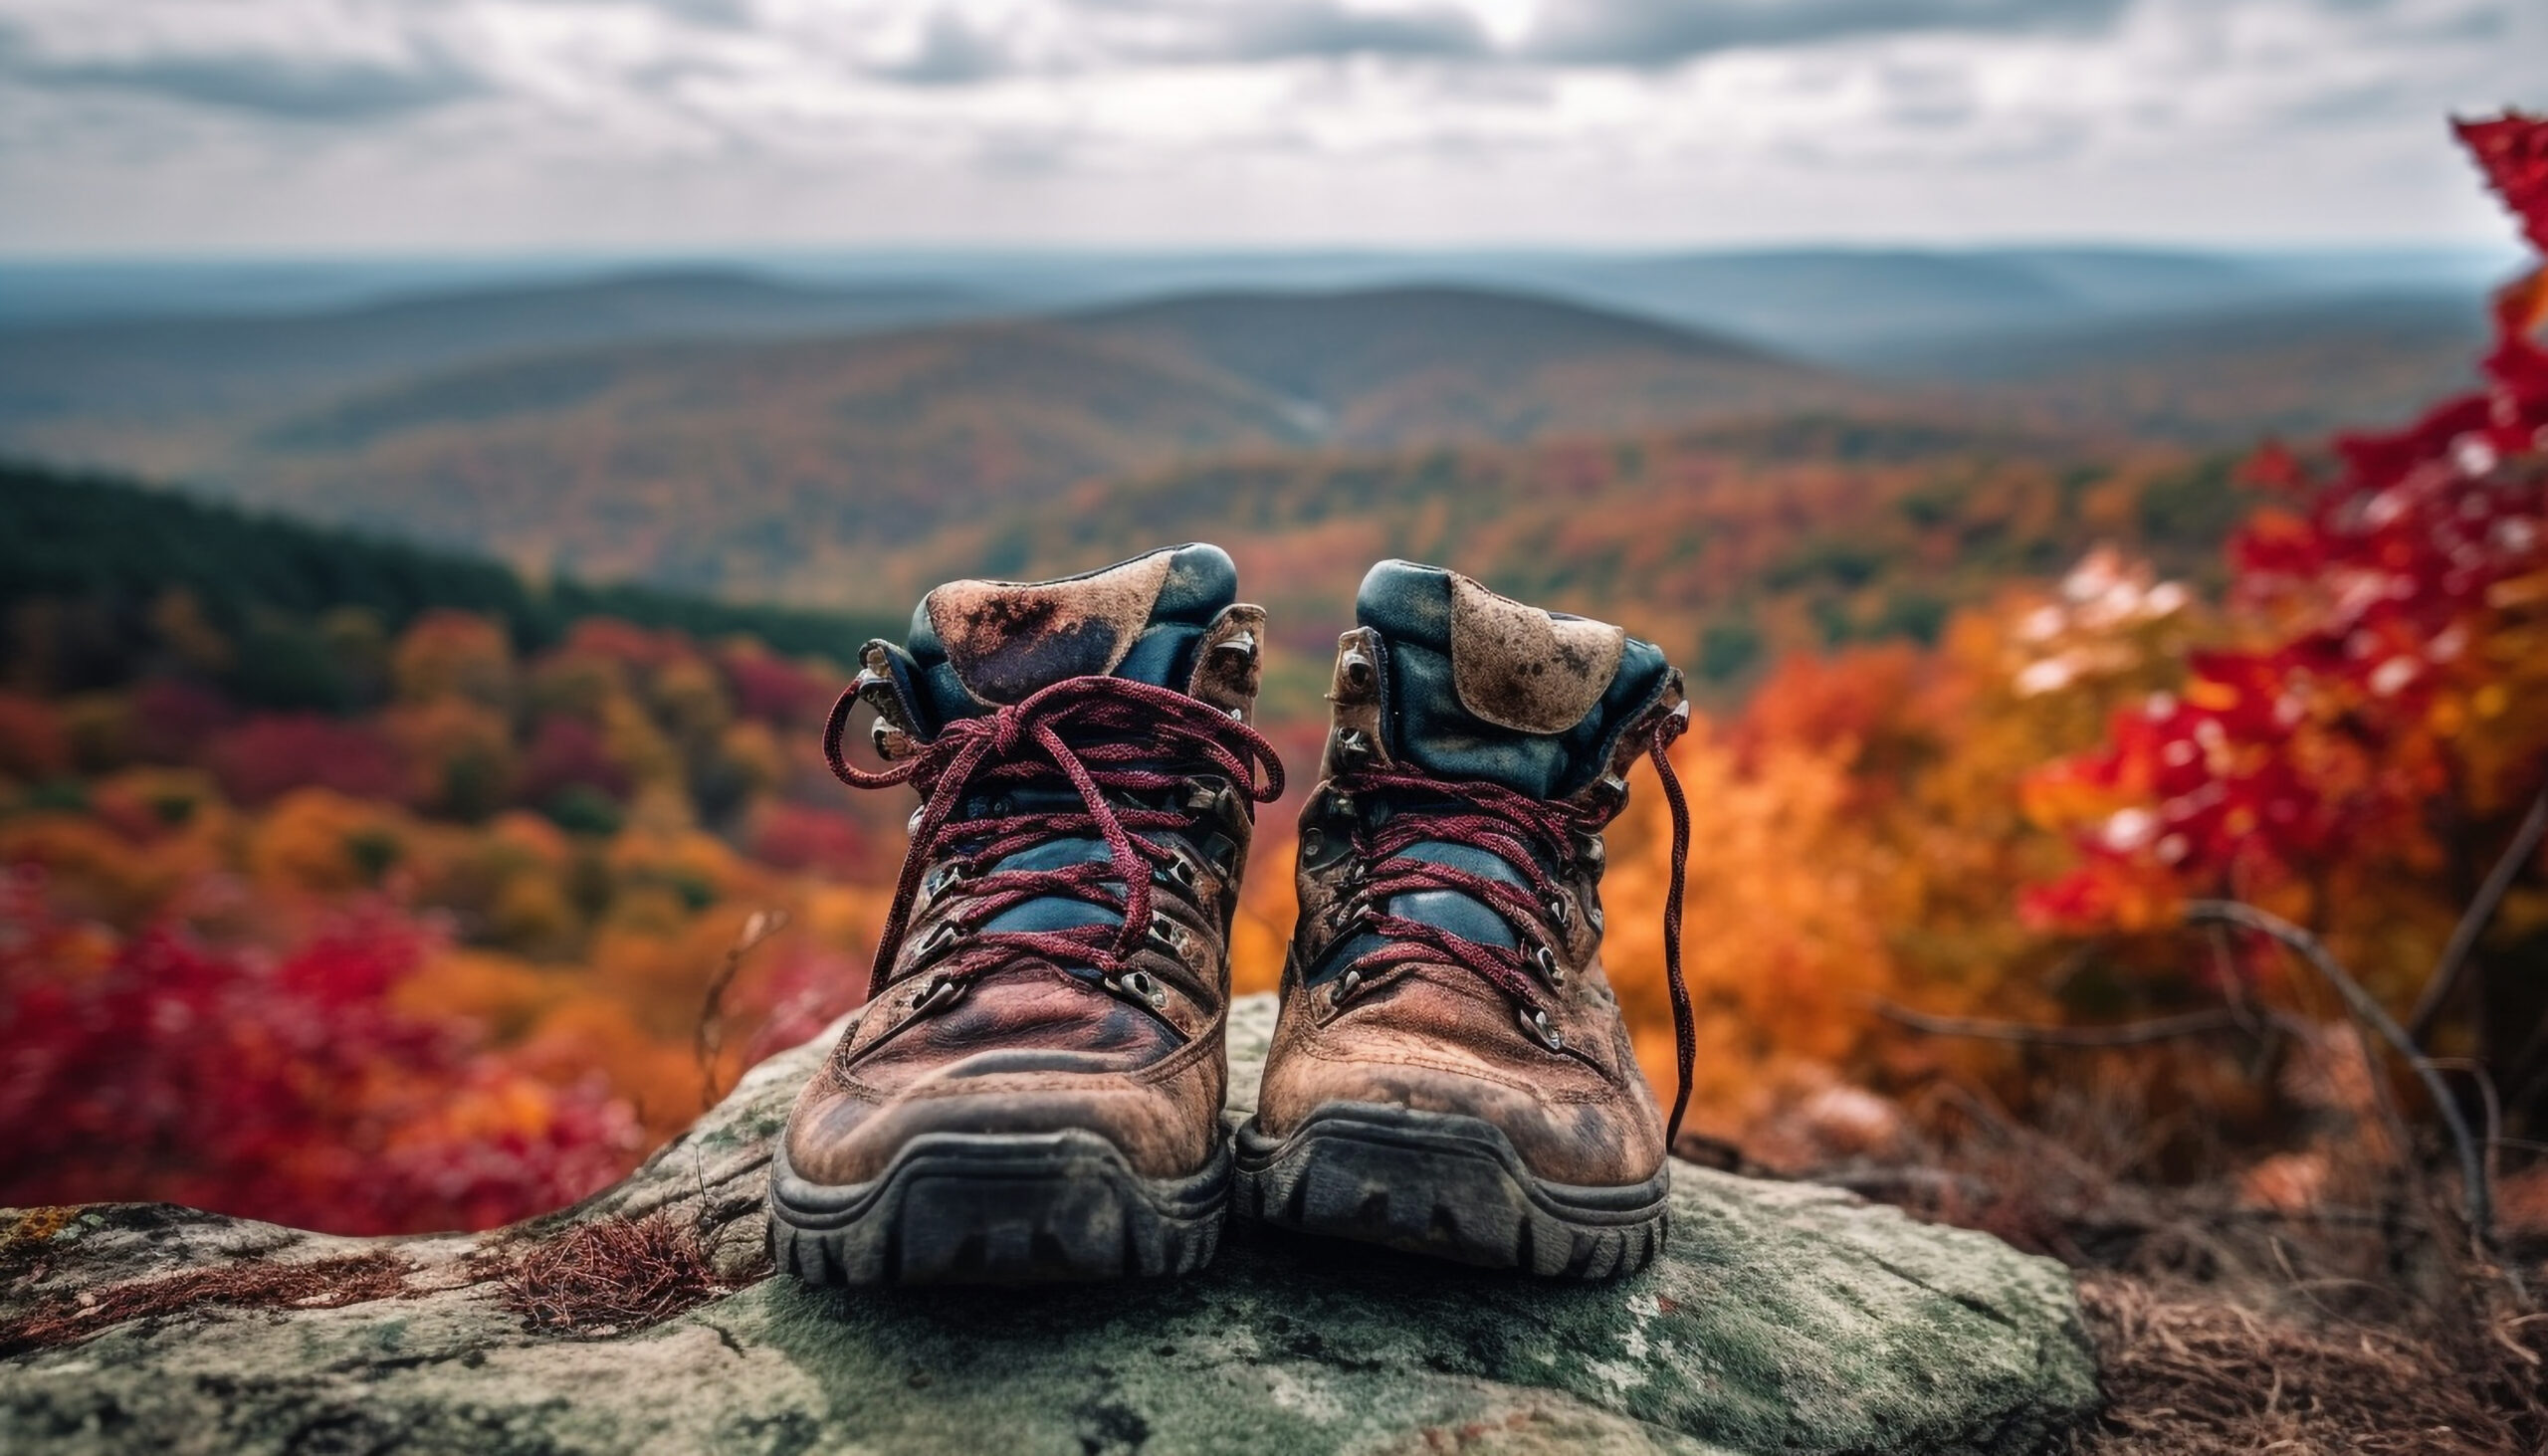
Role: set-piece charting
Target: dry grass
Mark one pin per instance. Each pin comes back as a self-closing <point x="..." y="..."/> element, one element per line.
<point x="67" y="1319"/>
<point x="2322" y="1300"/>
<point x="2189" y="1369"/>
<point x="611" y="1276"/>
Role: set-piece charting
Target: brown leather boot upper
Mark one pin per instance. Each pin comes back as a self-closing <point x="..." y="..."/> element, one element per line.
<point x="1447" y="957"/>
<point x="1057" y="957"/>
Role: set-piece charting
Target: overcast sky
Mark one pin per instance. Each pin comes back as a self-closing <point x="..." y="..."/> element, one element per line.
<point x="327" y="125"/>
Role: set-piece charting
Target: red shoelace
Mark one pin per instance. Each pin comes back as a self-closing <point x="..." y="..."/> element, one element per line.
<point x="1505" y="824"/>
<point x="1101" y="735"/>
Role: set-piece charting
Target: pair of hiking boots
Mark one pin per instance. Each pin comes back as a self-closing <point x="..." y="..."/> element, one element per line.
<point x="1035" y="1090"/>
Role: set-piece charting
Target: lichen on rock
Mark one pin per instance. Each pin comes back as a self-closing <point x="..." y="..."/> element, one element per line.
<point x="1781" y="1318"/>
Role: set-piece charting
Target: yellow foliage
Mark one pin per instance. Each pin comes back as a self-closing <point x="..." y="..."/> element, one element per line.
<point x="454" y="653"/>
<point x="1783" y="949"/>
<point x="508" y="995"/>
<point x="317" y="841"/>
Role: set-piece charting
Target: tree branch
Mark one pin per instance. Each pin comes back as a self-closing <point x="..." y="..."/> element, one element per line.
<point x="2473" y="922"/>
<point x="2370" y="1020"/>
<point x="2125" y="1034"/>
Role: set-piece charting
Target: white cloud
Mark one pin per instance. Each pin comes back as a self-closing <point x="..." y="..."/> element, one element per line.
<point x="319" y="123"/>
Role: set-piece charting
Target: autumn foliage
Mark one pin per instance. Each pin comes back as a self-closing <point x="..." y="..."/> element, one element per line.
<point x="439" y="960"/>
<point x="2011" y="825"/>
<point x="373" y="919"/>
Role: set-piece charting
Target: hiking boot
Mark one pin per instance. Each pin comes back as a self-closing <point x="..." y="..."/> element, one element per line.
<point x="1034" y="1089"/>
<point x="1449" y="1075"/>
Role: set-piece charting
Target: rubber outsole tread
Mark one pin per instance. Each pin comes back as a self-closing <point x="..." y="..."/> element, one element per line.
<point x="1447" y="1187"/>
<point x="993" y="1208"/>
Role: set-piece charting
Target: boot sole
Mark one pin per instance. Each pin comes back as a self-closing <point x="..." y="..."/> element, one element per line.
<point x="998" y="1208"/>
<point x="1448" y="1186"/>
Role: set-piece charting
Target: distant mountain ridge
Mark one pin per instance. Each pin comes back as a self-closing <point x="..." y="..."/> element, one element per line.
<point x="213" y="366"/>
<point x="1420" y="366"/>
<point x="754" y="438"/>
<point x="781" y="464"/>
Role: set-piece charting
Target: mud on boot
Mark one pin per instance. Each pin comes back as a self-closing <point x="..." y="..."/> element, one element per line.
<point x="1034" y="1089"/>
<point x="1451" y="1075"/>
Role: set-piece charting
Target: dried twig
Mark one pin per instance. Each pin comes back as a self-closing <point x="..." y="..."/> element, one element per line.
<point x="710" y="1038"/>
<point x="2371" y="1020"/>
<point x="256" y="1283"/>
<point x="610" y="1276"/>
<point x="2473" y="922"/>
<point x="2124" y="1034"/>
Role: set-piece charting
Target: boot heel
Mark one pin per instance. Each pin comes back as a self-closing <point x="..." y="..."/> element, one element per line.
<point x="989" y="1208"/>
<point x="1447" y="1187"/>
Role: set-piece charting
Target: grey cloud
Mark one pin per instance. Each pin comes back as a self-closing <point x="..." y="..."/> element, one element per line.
<point x="1657" y="33"/>
<point x="1319" y="28"/>
<point x="288" y="87"/>
<point x="952" y="53"/>
<point x="1635" y="34"/>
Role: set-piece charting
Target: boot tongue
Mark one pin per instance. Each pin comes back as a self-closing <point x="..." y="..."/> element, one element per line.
<point x="979" y="645"/>
<point x="1482" y="687"/>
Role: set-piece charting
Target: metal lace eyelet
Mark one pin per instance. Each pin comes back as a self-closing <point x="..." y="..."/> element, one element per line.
<point x="1353" y="671"/>
<point x="1536" y="1022"/>
<point x="1140" y="986"/>
<point x="1342" y="989"/>
<point x="1179" y="871"/>
<point x="1167" y="933"/>
<point x="1351" y="750"/>
<point x="944" y="875"/>
<point x="1550" y="969"/>
<point x="938" y="941"/>
<point x="1560" y="911"/>
<point x="942" y="992"/>
<point x="1590" y="854"/>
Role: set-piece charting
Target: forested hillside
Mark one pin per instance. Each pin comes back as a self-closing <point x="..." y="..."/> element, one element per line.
<point x="1731" y="546"/>
<point x="324" y="852"/>
<point x="813" y="468"/>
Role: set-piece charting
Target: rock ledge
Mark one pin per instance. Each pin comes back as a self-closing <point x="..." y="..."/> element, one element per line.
<point x="1781" y="1318"/>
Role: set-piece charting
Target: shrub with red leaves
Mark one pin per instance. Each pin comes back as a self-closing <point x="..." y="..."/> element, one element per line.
<point x="775" y="689"/>
<point x="2394" y="623"/>
<point x="268" y="757"/>
<point x="795" y="837"/>
<point x="161" y="1069"/>
<point x="565" y="753"/>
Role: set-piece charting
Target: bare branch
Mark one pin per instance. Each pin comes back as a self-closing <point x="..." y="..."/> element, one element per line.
<point x="707" y="1039"/>
<point x="2473" y="922"/>
<point x="2370" y="1020"/>
<point x="2125" y="1034"/>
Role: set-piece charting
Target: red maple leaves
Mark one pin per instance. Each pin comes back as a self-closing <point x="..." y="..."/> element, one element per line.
<point x="2384" y="616"/>
<point x="162" y="1067"/>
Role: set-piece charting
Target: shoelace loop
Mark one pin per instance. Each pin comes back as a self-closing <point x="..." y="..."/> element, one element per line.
<point x="1101" y="735"/>
<point x="1504" y="823"/>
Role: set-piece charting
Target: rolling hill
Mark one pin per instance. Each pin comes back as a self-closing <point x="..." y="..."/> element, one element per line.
<point x="1726" y="545"/>
<point x="685" y="430"/>
<point x="783" y="466"/>
<point x="170" y="395"/>
<point x="2218" y="378"/>
<point x="1426" y="365"/>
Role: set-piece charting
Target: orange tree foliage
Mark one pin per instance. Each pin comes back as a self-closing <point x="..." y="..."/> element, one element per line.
<point x="2355" y="750"/>
<point x="438" y="961"/>
<point x="292" y="1088"/>
<point x="2009" y="825"/>
<point x="497" y="875"/>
